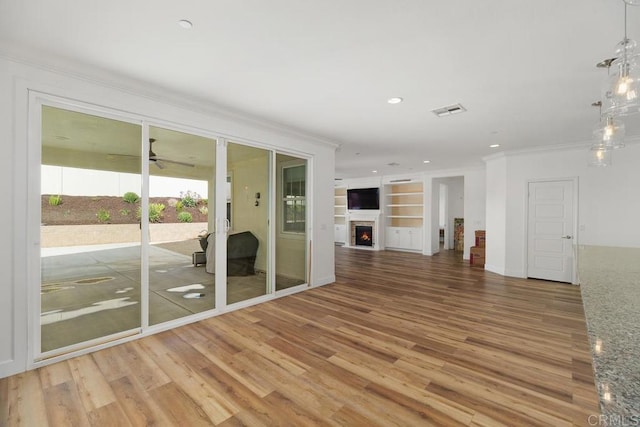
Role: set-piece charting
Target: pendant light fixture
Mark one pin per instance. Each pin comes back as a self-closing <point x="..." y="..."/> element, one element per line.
<point x="599" y="157"/>
<point x="621" y="97"/>
<point x="609" y="132"/>
<point x="606" y="135"/>
<point x="622" y="90"/>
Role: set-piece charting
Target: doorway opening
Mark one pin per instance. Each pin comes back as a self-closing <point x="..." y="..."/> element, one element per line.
<point x="450" y="220"/>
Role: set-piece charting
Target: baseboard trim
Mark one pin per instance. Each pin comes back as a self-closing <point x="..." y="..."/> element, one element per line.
<point x="325" y="280"/>
<point x="516" y="273"/>
<point x="494" y="269"/>
<point x="12" y="367"/>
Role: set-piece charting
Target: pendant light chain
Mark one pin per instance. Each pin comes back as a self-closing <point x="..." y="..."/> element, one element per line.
<point x="625" y="21"/>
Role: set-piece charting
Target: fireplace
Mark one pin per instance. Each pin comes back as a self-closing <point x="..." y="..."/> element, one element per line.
<point x="364" y="235"/>
<point x="364" y="231"/>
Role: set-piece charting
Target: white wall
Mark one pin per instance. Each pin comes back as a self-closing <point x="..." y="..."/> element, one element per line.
<point x="442" y="221"/>
<point x="13" y="322"/>
<point x="496" y="215"/>
<point x="608" y="200"/>
<point x="20" y="176"/>
<point x="432" y="229"/>
<point x="320" y="202"/>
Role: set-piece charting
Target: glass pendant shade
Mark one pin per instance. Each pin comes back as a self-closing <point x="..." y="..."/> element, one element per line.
<point x="609" y="133"/>
<point x="626" y="47"/>
<point x="599" y="157"/>
<point x="622" y="90"/>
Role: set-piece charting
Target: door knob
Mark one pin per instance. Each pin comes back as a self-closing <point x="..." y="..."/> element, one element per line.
<point x="567" y="237"/>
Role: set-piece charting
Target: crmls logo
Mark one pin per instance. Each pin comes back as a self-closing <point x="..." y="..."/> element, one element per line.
<point x="614" y="420"/>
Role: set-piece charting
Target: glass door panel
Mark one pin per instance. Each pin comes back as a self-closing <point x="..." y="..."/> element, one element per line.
<point x="248" y="240"/>
<point x="90" y="237"/>
<point x="291" y="233"/>
<point x="181" y="252"/>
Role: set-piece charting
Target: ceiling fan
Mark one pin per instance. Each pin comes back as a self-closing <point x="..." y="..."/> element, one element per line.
<point x="155" y="160"/>
<point x="158" y="161"/>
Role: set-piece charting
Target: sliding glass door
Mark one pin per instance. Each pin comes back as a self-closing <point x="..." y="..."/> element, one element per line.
<point x="89" y="233"/>
<point x="181" y="250"/>
<point x="248" y="272"/>
<point x="291" y="219"/>
<point x="143" y="224"/>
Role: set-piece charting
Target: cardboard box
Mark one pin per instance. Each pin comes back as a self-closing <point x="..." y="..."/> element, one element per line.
<point x="477" y="256"/>
<point x="480" y="238"/>
<point x="477" y="251"/>
<point x="478" y="262"/>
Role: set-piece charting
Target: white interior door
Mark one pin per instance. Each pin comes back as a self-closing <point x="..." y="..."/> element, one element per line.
<point x="550" y="233"/>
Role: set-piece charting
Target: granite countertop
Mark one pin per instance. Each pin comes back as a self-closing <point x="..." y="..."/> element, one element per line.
<point x="612" y="309"/>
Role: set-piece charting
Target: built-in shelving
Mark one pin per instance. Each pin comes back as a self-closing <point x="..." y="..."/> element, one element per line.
<point x="403" y="211"/>
<point x="404" y="204"/>
<point x="339" y="214"/>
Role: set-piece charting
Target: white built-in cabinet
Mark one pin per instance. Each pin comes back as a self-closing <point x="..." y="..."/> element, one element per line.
<point x="403" y="213"/>
<point x="407" y="238"/>
<point x="339" y="214"/>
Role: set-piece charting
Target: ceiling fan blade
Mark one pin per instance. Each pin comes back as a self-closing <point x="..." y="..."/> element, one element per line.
<point x="153" y="157"/>
<point x="175" y="162"/>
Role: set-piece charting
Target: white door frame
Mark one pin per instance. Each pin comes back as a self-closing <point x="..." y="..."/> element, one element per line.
<point x="574" y="180"/>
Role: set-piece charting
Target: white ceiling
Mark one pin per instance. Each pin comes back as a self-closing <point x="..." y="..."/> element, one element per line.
<point x="525" y="70"/>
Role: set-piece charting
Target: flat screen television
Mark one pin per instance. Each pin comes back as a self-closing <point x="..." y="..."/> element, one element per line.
<point x="363" y="198"/>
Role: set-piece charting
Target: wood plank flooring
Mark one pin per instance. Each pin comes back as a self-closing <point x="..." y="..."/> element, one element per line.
<point x="399" y="340"/>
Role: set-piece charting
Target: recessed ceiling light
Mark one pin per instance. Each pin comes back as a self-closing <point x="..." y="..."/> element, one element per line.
<point x="187" y="25"/>
<point x="395" y="100"/>
<point x="494" y="146"/>
<point x="426" y="161"/>
<point x="374" y="171"/>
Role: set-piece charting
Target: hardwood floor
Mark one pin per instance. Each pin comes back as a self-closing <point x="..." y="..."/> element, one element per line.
<point x="399" y="339"/>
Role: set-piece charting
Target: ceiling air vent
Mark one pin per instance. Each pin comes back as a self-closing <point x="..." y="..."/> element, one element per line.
<point x="449" y="110"/>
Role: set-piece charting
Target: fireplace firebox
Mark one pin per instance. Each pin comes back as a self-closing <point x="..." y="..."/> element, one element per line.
<point x="364" y="235"/>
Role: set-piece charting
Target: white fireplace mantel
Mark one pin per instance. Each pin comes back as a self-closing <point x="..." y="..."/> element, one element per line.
<point x="373" y="217"/>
